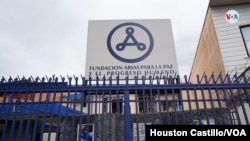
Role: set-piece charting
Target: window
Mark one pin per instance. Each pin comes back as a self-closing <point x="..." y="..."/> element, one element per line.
<point x="169" y="105"/>
<point x="245" y="32"/>
<point x="147" y="104"/>
<point x="105" y="105"/>
<point x="117" y="106"/>
<point x="113" y="104"/>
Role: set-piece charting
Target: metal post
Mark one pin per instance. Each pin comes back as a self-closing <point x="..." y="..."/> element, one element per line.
<point x="127" y="117"/>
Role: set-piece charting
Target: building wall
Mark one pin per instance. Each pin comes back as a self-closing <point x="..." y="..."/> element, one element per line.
<point x="31" y="97"/>
<point x="208" y="57"/>
<point x="242" y="110"/>
<point x="229" y="37"/>
<point x="221" y="48"/>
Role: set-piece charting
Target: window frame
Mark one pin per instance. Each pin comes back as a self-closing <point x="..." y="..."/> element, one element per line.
<point x="244" y="41"/>
<point x="112" y="103"/>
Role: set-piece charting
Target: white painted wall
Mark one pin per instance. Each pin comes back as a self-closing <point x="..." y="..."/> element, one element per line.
<point x="46" y="136"/>
<point x="231" y="43"/>
<point x="243" y="118"/>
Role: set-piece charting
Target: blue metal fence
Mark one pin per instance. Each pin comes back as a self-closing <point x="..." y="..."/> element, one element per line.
<point x="72" y="108"/>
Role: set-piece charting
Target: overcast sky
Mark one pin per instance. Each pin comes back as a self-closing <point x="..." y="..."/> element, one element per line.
<point x="46" y="37"/>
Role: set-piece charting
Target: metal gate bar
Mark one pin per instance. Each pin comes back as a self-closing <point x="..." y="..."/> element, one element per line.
<point x="68" y="109"/>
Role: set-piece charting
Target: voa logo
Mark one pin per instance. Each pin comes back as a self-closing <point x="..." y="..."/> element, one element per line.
<point x="232" y="16"/>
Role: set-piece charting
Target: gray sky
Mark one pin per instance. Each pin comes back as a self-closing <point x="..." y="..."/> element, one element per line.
<point x="46" y="37"/>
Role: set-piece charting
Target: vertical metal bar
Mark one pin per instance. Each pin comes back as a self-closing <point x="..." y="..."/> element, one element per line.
<point x="227" y="105"/>
<point x="31" y="102"/>
<point x="197" y="100"/>
<point x="144" y="102"/>
<point x="102" y="113"/>
<point x="246" y="82"/>
<point x="43" y="124"/>
<point x="54" y="102"/>
<point x="205" y="101"/>
<point x="66" y="118"/>
<point x="73" y="116"/>
<point x="117" y="115"/>
<point x="137" y="113"/>
<point x="174" y="106"/>
<point x="5" y="112"/>
<point x="239" y="95"/>
<point x="57" y="133"/>
<point x="213" y="100"/>
<point x="167" y="107"/>
<point x="189" y="105"/>
<point x="96" y="103"/>
<point x="247" y="95"/>
<point x="127" y="117"/>
<point x="110" y="115"/>
<point x="50" y="113"/>
<point x="160" y="111"/>
<point x="88" y="112"/>
<point x="227" y="98"/>
<point x="152" y="109"/>
<point x="234" y="101"/>
<point x="34" y="135"/>
<point x="58" y="128"/>
<point x="79" y="127"/>
<point x="242" y="104"/>
<point x="22" y="110"/>
<point x="197" y="105"/>
<point x="180" y="100"/>
<point x="3" y="105"/>
<point x="14" y="114"/>
<point x="220" y="100"/>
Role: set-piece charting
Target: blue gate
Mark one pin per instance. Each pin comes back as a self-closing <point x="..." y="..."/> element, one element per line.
<point x="72" y="108"/>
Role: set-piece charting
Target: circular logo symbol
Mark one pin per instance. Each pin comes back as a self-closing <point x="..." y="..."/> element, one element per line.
<point x="130" y="42"/>
<point x="232" y="16"/>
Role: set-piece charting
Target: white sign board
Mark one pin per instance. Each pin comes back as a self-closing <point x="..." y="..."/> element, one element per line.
<point x="129" y="48"/>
